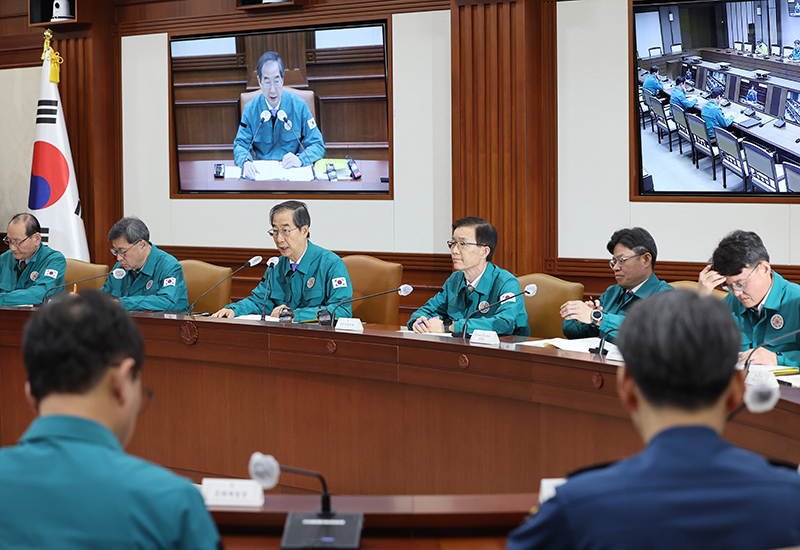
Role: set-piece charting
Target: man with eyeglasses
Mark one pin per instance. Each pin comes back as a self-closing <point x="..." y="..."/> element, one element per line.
<point x="764" y="304"/>
<point x="153" y="279"/>
<point x="633" y="252"/>
<point x="28" y="269"/>
<point x="68" y="482"/>
<point x="275" y="139"/>
<point x="476" y="284"/>
<point x="306" y="278"/>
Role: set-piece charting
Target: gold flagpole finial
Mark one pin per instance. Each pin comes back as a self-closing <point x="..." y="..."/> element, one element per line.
<point x="48" y="36"/>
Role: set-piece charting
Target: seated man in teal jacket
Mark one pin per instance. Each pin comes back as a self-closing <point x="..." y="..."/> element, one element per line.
<point x="153" y="279"/>
<point x="475" y="285"/>
<point x="28" y="269"/>
<point x="652" y="83"/>
<point x="274" y="138"/>
<point x="678" y="96"/>
<point x="307" y="277"/>
<point x="633" y="259"/>
<point x="764" y="304"/>
<point x="712" y="114"/>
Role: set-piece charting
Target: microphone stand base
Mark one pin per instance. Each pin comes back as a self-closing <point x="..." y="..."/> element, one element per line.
<point x="312" y="530"/>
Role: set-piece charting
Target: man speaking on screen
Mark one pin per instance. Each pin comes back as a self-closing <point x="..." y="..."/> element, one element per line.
<point x="275" y="123"/>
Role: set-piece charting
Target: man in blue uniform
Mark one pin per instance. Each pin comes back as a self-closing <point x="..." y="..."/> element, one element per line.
<point x="68" y="483"/>
<point x="689" y="488"/>
<point x="679" y="95"/>
<point x="153" y="279"/>
<point x="274" y="138"/>
<point x="306" y="278"/>
<point x="476" y="284"/>
<point x="28" y="269"/>
<point x="634" y="253"/>
<point x="795" y="55"/>
<point x="652" y="83"/>
<point x="764" y="304"/>
<point x="712" y="113"/>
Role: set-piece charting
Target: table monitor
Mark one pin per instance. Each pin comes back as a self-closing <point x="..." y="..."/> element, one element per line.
<point x="792" y="109"/>
<point x="714" y="79"/>
<point x="752" y="93"/>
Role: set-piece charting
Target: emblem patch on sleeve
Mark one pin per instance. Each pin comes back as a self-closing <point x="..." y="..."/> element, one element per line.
<point x="312" y="123"/>
<point x="339" y="282"/>
<point x="508" y="295"/>
<point x="51" y="273"/>
<point x="34" y="275"/>
<point x="170" y="281"/>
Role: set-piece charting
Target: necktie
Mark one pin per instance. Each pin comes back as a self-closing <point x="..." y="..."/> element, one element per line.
<point x="274" y="112"/>
<point x="21" y="266"/>
<point x="294" y="266"/>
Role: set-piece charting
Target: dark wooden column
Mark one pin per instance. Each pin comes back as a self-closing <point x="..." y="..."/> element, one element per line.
<point x="504" y="124"/>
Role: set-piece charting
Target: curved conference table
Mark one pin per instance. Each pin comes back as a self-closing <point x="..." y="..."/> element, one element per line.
<point x="378" y="413"/>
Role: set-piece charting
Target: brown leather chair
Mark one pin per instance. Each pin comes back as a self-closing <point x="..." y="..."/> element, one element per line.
<point x="199" y="277"/>
<point x="307" y="95"/>
<point x="692" y="285"/>
<point x="77" y="270"/>
<point x="369" y="276"/>
<point x="543" y="309"/>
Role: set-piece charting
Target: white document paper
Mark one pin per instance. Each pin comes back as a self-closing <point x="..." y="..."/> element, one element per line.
<point x="580" y="344"/>
<point x="257" y="317"/>
<point x="271" y="170"/>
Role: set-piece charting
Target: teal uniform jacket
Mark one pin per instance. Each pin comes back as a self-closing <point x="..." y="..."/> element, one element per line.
<point x="796" y="51"/>
<point x="678" y="98"/>
<point x="712" y="114"/>
<point x="454" y="302"/>
<point x="321" y="279"/>
<point x="159" y="285"/>
<point x="274" y="140"/>
<point x="44" y="271"/>
<point x="653" y="84"/>
<point x="68" y="484"/>
<point x="616" y="303"/>
<point x="780" y="315"/>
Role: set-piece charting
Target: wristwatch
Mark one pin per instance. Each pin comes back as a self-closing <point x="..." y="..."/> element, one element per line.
<point x="448" y="326"/>
<point x="597" y="317"/>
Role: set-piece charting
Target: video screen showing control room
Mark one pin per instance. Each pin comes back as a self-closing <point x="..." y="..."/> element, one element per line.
<point x="718" y="97"/>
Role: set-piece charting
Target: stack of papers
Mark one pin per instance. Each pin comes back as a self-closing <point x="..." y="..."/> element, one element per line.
<point x="582" y="345"/>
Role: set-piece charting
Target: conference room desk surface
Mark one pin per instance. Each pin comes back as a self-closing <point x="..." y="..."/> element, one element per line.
<point x="382" y="412"/>
<point x="390" y="521"/>
<point x="198" y="177"/>
<point x="776" y="65"/>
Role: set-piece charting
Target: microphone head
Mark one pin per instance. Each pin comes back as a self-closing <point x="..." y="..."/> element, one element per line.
<point x="282" y="116"/>
<point x="255" y="260"/>
<point x="761" y="398"/>
<point x="405" y="290"/>
<point x="530" y="290"/>
<point x="265" y="116"/>
<point x="272" y="262"/>
<point x="118" y="273"/>
<point x="264" y="469"/>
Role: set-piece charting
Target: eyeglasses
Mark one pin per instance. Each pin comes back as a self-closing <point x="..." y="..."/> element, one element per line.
<point x="147" y="396"/>
<point x="613" y="262"/>
<point x="285" y="232"/>
<point x="461" y="244"/>
<point x="122" y="253"/>
<point x="16" y="244"/>
<point x="736" y="287"/>
<point x="277" y="83"/>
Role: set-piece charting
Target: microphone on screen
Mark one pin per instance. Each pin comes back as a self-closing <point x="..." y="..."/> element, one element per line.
<point x="529" y="290"/>
<point x="118" y="273"/>
<point x="271" y="263"/>
<point x="326" y="318"/>
<point x="265" y="116"/>
<point x="255" y="260"/>
<point x="287" y="124"/>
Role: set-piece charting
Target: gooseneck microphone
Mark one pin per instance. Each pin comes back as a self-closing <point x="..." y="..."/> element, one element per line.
<point x="255" y="260"/>
<point x="324" y="529"/>
<point x="265" y="116"/>
<point x="118" y="273"/>
<point x="529" y="290"/>
<point x="283" y="117"/>
<point x="326" y="318"/>
<point x="271" y="263"/>
<point x="601" y="347"/>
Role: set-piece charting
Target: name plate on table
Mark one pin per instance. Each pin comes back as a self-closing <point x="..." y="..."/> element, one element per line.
<point x="349" y="324"/>
<point x="484" y="338"/>
<point x="232" y="492"/>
